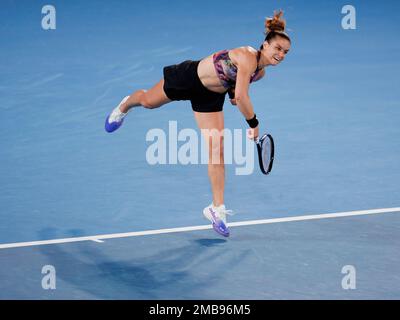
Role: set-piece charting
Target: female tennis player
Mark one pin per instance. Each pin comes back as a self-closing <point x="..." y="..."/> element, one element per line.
<point x="205" y="83"/>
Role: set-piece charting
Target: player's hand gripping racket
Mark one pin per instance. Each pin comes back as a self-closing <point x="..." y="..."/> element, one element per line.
<point x="265" y="149"/>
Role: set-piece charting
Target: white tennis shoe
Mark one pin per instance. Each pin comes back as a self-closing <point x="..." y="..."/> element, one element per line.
<point x="217" y="216"/>
<point x="116" y="118"/>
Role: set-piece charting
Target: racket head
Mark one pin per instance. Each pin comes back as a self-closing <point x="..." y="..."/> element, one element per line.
<point x="266" y="152"/>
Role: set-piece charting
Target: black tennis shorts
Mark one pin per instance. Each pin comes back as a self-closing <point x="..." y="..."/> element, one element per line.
<point x="181" y="82"/>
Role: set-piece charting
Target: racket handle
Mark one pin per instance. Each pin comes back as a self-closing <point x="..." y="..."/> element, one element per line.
<point x="257" y="140"/>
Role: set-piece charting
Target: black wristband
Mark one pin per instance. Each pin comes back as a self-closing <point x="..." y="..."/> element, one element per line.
<point x="253" y="122"/>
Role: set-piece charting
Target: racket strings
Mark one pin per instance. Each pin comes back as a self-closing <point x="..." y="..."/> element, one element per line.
<point x="266" y="153"/>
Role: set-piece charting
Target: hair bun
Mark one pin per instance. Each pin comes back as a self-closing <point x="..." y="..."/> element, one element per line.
<point x="276" y="23"/>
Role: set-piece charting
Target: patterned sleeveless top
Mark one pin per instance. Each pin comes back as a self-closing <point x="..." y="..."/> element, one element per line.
<point x="227" y="71"/>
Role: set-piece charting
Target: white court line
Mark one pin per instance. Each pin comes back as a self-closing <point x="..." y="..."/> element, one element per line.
<point x="99" y="238"/>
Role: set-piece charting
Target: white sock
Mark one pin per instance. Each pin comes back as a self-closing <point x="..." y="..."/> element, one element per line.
<point x="220" y="206"/>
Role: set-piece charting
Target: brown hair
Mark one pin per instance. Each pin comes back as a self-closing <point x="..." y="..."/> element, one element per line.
<point x="275" y="27"/>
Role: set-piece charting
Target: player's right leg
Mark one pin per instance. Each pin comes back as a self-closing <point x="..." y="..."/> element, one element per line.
<point x="152" y="98"/>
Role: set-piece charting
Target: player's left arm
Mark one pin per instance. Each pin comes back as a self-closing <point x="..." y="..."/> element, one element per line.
<point x="246" y="64"/>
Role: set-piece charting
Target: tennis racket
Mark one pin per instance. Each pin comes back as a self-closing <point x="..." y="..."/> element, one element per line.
<point x="265" y="149"/>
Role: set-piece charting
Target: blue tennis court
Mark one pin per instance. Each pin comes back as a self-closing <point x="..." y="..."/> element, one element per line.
<point x="132" y="230"/>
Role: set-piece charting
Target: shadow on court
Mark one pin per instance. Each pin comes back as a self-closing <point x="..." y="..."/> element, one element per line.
<point x="119" y="271"/>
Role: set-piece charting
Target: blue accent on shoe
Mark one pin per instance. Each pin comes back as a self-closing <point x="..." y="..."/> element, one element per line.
<point x="221" y="229"/>
<point x="218" y="225"/>
<point x="110" y="127"/>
